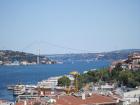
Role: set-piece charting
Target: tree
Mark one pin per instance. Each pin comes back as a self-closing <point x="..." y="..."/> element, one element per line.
<point x="116" y="71"/>
<point x="90" y="76"/>
<point x="118" y="67"/>
<point x="132" y="83"/>
<point x="79" y="82"/>
<point x="64" y="81"/>
<point x="105" y="75"/>
<point x="125" y="76"/>
<point x="137" y="75"/>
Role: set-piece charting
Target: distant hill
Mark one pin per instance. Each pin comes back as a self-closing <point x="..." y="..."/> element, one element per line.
<point x="88" y="57"/>
<point x="11" y="56"/>
<point x="8" y="55"/>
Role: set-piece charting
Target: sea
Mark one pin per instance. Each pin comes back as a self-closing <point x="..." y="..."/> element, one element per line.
<point x="34" y="73"/>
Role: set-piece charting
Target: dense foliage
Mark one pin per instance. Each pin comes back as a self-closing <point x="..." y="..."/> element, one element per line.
<point x="122" y="77"/>
<point x="127" y="78"/>
<point x="64" y="81"/>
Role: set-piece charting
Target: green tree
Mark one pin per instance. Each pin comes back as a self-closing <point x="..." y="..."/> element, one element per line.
<point x="90" y="76"/>
<point x="79" y="82"/>
<point x="105" y="75"/>
<point x="118" y="67"/>
<point x="125" y="76"/>
<point x="64" y="81"/>
<point x="116" y="71"/>
<point x="137" y="75"/>
<point x="132" y="83"/>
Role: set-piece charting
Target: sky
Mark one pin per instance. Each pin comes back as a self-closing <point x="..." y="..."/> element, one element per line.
<point x="69" y="26"/>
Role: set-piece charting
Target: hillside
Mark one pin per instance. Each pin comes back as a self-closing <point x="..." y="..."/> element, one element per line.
<point x="110" y="56"/>
<point x="9" y="56"/>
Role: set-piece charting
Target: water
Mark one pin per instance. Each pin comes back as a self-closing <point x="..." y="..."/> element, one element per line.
<point x="32" y="74"/>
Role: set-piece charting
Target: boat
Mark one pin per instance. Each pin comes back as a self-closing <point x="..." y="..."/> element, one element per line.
<point x="30" y="89"/>
<point x="10" y="87"/>
<point x="19" y="90"/>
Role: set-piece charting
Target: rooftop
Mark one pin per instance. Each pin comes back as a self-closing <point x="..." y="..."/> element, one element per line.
<point x="72" y="100"/>
<point x="94" y="99"/>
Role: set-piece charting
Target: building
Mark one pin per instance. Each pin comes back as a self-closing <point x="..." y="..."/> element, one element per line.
<point x="4" y="102"/>
<point x="24" y="63"/>
<point x="131" y="63"/>
<point x="49" y="83"/>
<point x="132" y="97"/>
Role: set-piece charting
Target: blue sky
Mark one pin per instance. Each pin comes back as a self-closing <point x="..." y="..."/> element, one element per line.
<point x="69" y="26"/>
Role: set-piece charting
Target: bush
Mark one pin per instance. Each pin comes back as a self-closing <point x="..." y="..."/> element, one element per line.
<point x="64" y="81"/>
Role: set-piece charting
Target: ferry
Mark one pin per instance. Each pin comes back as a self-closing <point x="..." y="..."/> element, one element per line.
<point x="19" y="90"/>
<point x="30" y="89"/>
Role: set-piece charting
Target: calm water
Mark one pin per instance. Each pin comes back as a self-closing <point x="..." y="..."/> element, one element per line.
<point x="33" y="74"/>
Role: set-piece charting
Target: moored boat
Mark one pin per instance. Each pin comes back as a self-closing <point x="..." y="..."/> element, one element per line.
<point x="19" y="90"/>
<point x="10" y="87"/>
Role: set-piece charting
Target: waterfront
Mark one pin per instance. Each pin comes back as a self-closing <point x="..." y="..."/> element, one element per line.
<point x="33" y="74"/>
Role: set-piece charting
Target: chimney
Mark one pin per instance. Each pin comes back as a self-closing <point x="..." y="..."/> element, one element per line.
<point x="58" y="97"/>
<point x="83" y="96"/>
<point x="90" y="94"/>
<point x="25" y="102"/>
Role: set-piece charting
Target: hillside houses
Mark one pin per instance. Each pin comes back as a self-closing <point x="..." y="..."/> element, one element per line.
<point x="131" y="63"/>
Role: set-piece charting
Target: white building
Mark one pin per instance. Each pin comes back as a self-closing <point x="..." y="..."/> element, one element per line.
<point x="24" y="63"/>
<point x="107" y="87"/>
<point x="131" y="97"/>
<point x="49" y="83"/>
<point x="52" y="82"/>
<point x="3" y="102"/>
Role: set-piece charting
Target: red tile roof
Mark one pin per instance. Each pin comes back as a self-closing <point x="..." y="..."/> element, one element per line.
<point x="72" y="100"/>
<point x="94" y="99"/>
<point x="2" y="101"/>
<point x="20" y="103"/>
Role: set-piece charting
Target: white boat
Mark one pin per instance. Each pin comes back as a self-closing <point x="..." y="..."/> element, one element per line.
<point x="30" y="86"/>
<point x="19" y="90"/>
<point x="30" y="89"/>
<point x="10" y="87"/>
